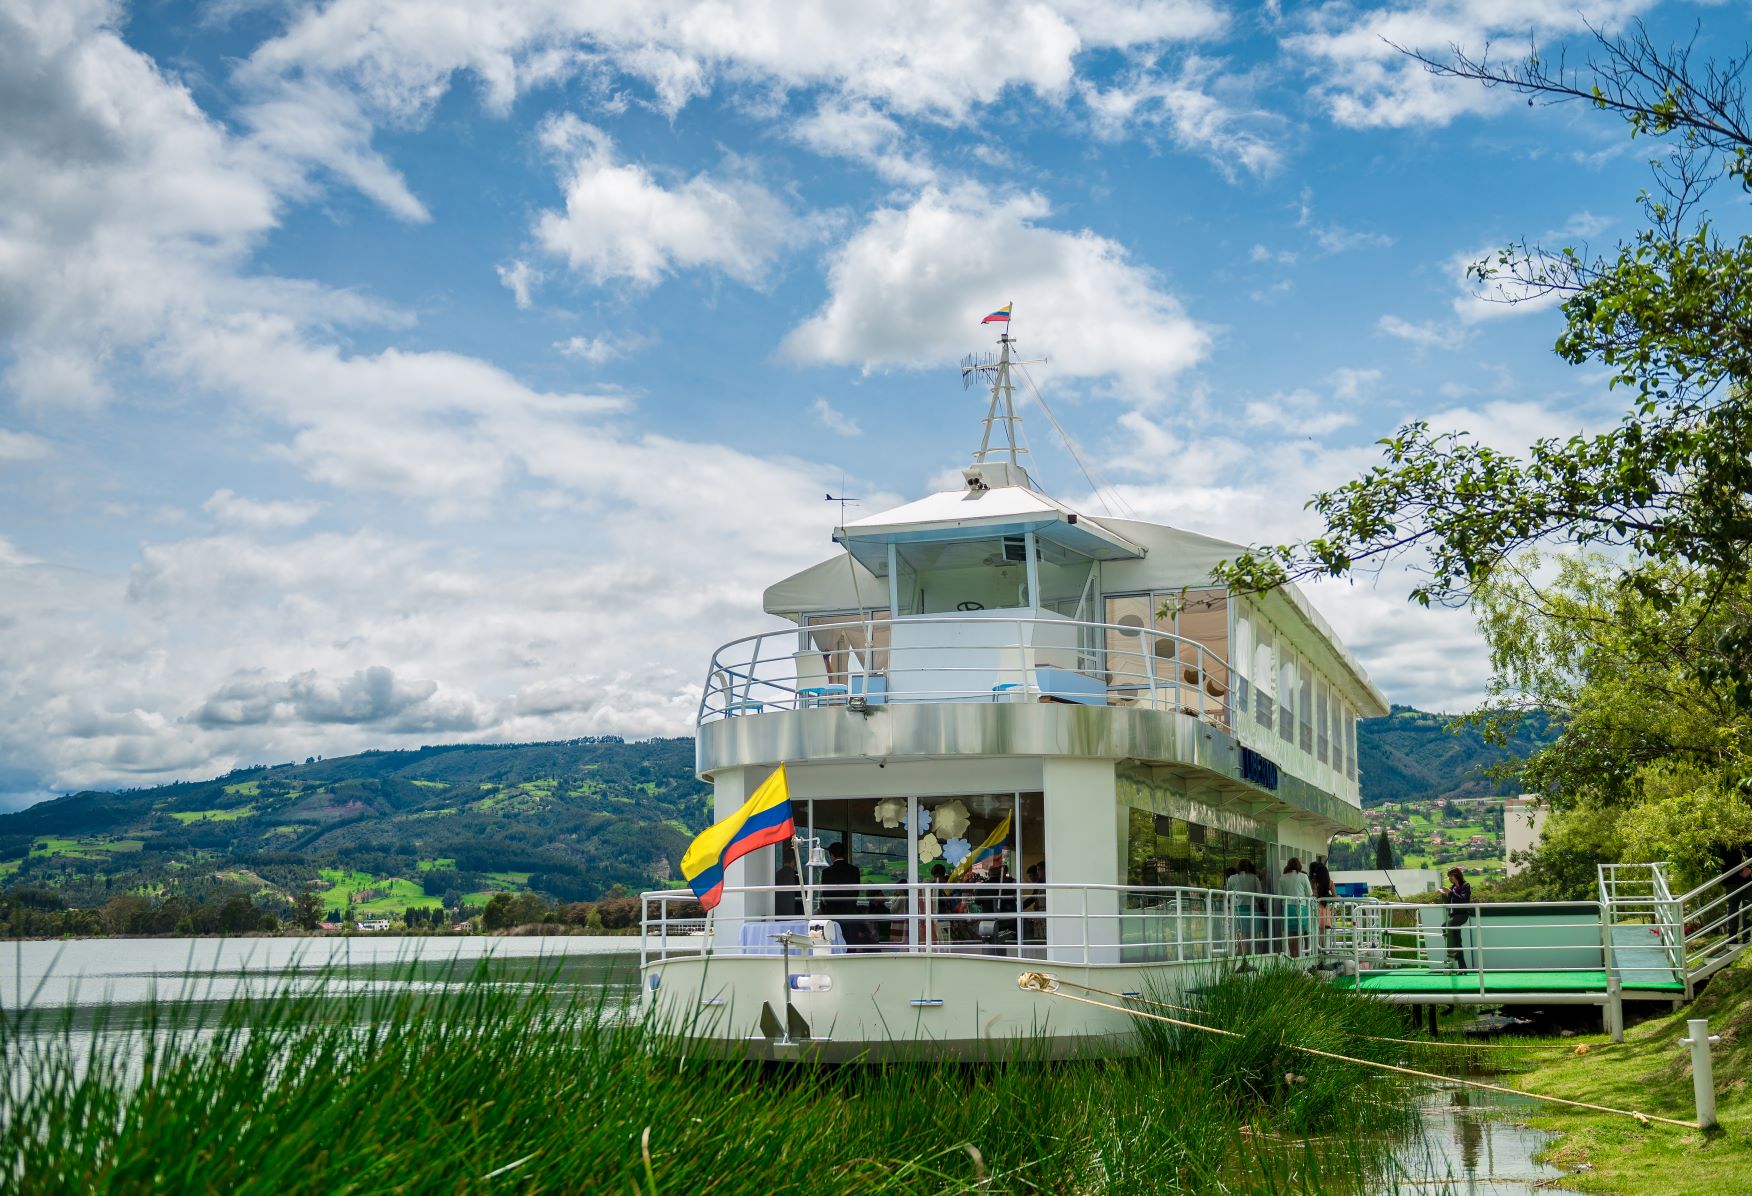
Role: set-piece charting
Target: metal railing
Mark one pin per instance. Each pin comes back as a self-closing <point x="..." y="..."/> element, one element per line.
<point x="1571" y="940"/>
<point x="1715" y="920"/>
<point x="965" y="658"/>
<point x="1087" y="924"/>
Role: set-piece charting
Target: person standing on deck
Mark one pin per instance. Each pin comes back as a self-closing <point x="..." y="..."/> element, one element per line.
<point x="1299" y="893"/>
<point x="844" y="901"/>
<point x="1458" y="897"/>
<point x="1243" y="888"/>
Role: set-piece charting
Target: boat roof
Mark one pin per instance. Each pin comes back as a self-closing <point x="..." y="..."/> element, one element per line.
<point x="978" y="513"/>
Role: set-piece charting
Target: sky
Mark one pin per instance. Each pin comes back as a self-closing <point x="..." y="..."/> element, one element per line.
<point x="386" y="372"/>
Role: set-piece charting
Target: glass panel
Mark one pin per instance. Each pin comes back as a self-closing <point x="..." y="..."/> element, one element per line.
<point x="1242" y="663"/>
<point x="1263" y="681"/>
<point x="1305" y="711"/>
<point x="1065" y="582"/>
<point x="1287" y="698"/>
<point x="969" y="575"/>
<point x="1126" y="643"/>
<point x="1322" y="719"/>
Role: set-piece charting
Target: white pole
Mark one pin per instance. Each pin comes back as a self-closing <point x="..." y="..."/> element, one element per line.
<point x="1702" y="1071"/>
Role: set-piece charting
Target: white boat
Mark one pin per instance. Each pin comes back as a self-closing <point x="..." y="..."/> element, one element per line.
<point x="989" y="654"/>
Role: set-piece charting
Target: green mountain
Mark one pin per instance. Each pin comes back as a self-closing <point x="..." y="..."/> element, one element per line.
<point x="567" y="820"/>
<point x="383" y="832"/>
<point x="1412" y="754"/>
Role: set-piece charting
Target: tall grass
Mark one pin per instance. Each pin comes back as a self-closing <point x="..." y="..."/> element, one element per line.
<point x="543" y="1087"/>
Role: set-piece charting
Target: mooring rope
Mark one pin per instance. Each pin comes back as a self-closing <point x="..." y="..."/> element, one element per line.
<point x="1457" y="1046"/>
<point x="1044" y="982"/>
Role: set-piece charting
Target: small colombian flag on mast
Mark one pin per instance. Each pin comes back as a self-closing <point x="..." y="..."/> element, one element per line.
<point x="763" y="820"/>
<point x="1001" y="316"/>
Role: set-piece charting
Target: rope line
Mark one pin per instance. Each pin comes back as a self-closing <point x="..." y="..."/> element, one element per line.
<point x="1043" y="982"/>
<point x="1429" y="1042"/>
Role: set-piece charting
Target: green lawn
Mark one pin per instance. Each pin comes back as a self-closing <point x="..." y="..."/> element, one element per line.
<point x="82" y="849"/>
<point x="396" y="895"/>
<point x="511" y="880"/>
<point x="8" y="867"/>
<point x="246" y="788"/>
<point x="443" y="864"/>
<point x="430" y="784"/>
<point x="1650" y="1073"/>
<point x="232" y="815"/>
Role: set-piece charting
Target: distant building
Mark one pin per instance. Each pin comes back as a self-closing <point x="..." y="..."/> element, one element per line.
<point x="1407" y="882"/>
<point x="1523" y="823"/>
<point x="373" y="923"/>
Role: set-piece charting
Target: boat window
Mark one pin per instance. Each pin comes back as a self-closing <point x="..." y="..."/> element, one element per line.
<point x="1287" y="697"/>
<point x="1069" y="583"/>
<point x="1126" y="642"/>
<point x="1243" y="663"/>
<point x="1162" y="850"/>
<point x="964" y="575"/>
<point x="842" y="646"/>
<point x="1305" y="710"/>
<point x="1263" y="687"/>
<point x="1322" y="720"/>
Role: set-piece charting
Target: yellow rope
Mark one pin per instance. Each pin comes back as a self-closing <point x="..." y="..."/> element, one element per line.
<point x="1043" y="982"/>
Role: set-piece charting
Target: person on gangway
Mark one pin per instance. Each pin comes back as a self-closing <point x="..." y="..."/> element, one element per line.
<point x="1458" y="897"/>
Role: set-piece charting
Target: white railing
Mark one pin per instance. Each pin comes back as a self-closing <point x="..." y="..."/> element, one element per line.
<point x="1572" y="941"/>
<point x="1086" y="924"/>
<point x="965" y="658"/>
<point x="1715" y="921"/>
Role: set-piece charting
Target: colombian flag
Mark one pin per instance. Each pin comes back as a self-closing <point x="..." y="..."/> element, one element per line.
<point x="763" y="820"/>
<point x="1001" y="316"/>
<point x="994" y="846"/>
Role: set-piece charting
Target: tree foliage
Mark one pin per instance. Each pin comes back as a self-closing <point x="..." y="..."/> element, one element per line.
<point x="1655" y="764"/>
<point x="1668" y="313"/>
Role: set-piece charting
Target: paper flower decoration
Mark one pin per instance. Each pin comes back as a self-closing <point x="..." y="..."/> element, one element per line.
<point x="924" y="822"/>
<point x="955" y="851"/>
<point x="951" y="819"/>
<point x="891" y="811"/>
<point x="930" y="849"/>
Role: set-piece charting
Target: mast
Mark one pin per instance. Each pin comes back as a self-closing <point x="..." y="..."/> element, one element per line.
<point x="999" y="465"/>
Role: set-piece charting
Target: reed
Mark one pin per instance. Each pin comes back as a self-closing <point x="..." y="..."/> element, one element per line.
<point x="542" y="1086"/>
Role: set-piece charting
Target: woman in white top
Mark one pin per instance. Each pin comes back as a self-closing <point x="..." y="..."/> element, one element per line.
<point x="1300" y="893"/>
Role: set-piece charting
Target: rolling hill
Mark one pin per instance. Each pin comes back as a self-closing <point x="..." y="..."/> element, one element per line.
<point x="569" y="821"/>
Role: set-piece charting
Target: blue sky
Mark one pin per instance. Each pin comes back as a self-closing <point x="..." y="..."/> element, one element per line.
<point x="378" y="373"/>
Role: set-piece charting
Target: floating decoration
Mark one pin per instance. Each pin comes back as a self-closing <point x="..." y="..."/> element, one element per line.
<point x="955" y="851"/>
<point x="891" y="811"/>
<point x="951" y="819"/>
<point x="930" y="849"/>
<point x="924" y="822"/>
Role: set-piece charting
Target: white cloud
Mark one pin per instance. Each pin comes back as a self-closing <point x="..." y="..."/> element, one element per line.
<point x="834" y="420"/>
<point x="1428" y="335"/>
<point x="859" y="131"/>
<point x="521" y="279"/>
<point x="620" y="222"/>
<point x="1364" y="82"/>
<point x="236" y="511"/>
<point x="22" y="446"/>
<point x="931" y="58"/>
<point x="1262" y="255"/>
<point x="1195" y="108"/>
<point x="599" y="350"/>
<point x="1494" y="299"/>
<point x="1335" y="238"/>
<point x="908" y="290"/>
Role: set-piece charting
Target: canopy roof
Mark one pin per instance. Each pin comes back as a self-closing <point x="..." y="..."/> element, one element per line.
<point x="979" y="513"/>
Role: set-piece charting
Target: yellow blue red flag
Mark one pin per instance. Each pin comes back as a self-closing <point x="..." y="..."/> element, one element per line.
<point x="994" y="846"/>
<point x="764" y="819"/>
<point x="1001" y="316"/>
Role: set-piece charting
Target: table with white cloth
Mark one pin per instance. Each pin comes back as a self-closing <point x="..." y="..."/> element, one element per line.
<point x="758" y="938"/>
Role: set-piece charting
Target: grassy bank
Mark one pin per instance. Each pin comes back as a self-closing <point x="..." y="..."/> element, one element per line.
<point x="1650" y="1072"/>
<point x="539" y="1088"/>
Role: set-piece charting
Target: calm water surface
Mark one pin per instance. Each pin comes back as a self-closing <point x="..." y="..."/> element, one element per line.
<point x="91" y="972"/>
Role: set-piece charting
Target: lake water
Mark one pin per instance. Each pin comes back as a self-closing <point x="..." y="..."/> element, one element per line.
<point x="92" y="972"/>
<point x="1470" y="1144"/>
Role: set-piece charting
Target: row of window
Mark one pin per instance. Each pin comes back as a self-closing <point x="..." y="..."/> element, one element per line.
<point x="1287" y="694"/>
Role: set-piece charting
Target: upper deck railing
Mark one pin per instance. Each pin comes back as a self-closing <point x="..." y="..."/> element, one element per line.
<point x="966" y="657"/>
